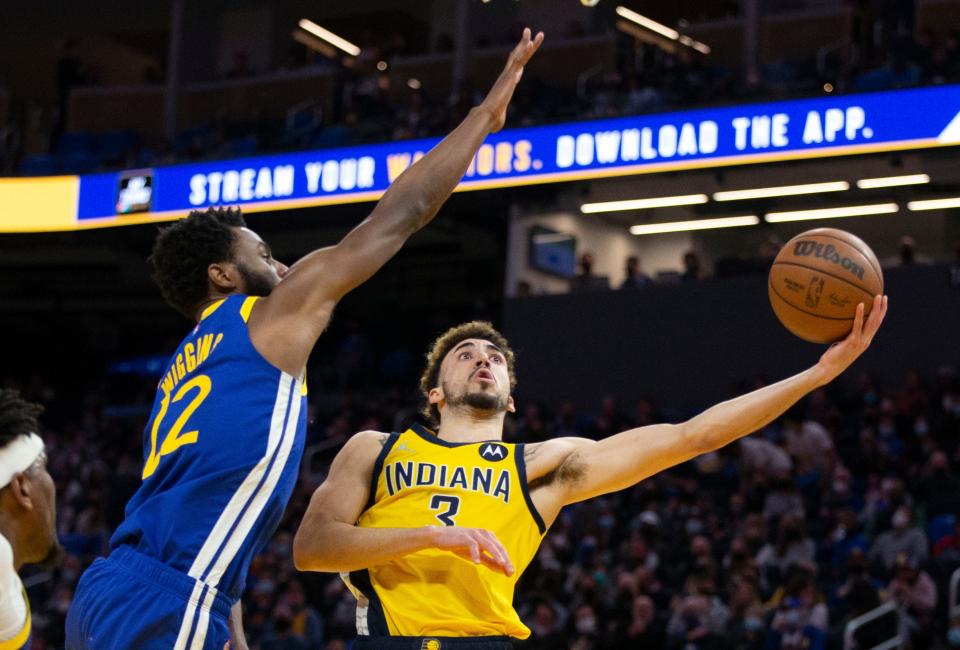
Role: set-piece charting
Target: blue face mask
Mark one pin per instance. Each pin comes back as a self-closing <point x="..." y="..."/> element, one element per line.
<point x="753" y="624"/>
<point x="953" y="637"/>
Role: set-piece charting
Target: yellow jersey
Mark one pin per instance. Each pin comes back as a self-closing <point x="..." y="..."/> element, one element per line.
<point x="421" y="480"/>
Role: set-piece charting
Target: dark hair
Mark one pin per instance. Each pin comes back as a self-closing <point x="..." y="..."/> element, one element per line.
<point x="18" y="417"/>
<point x="446" y="342"/>
<point x="183" y="251"/>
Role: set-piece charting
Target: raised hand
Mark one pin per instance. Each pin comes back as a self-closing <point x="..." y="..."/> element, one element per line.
<point x="498" y="98"/>
<point x="842" y="354"/>
<point x="474" y="544"/>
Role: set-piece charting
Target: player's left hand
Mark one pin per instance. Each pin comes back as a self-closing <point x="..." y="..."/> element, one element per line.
<point x="840" y="355"/>
<point x="498" y="98"/>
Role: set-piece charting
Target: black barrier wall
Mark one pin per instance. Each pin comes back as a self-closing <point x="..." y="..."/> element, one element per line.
<point x="690" y="345"/>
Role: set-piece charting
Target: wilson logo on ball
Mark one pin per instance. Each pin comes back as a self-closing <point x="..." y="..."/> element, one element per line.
<point x="828" y="252"/>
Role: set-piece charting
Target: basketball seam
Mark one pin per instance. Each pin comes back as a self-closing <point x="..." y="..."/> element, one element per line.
<point x="875" y="269"/>
<point x="808" y="313"/>
<point x="836" y="277"/>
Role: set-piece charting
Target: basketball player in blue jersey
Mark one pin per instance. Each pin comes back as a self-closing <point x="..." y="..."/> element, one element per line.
<point x="28" y="529"/>
<point x="380" y="517"/>
<point x="225" y="438"/>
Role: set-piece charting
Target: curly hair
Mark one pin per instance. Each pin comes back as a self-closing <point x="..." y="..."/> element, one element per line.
<point x="18" y="417"/>
<point x="183" y="251"/>
<point x="446" y="342"/>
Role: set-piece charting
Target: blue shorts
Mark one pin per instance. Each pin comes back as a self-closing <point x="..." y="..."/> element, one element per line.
<point x="129" y="601"/>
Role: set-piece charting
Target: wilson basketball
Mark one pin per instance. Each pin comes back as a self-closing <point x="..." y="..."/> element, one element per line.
<point x="817" y="280"/>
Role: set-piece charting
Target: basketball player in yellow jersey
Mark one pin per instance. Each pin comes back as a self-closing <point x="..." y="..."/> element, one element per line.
<point x="431" y="531"/>
<point x="28" y="530"/>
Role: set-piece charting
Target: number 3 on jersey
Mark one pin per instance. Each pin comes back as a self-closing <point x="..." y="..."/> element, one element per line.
<point x="450" y="506"/>
<point x="174" y="439"/>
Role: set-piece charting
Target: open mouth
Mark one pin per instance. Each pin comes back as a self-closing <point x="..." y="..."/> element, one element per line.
<point x="484" y="375"/>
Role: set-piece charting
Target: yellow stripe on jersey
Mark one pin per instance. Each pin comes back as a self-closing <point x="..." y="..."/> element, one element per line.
<point x="21" y="637"/>
<point x="212" y="307"/>
<point x="247" y="307"/>
<point x="421" y="480"/>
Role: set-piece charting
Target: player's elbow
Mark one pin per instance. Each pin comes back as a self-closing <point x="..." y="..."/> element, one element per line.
<point x="699" y="438"/>
<point x="307" y="554"/>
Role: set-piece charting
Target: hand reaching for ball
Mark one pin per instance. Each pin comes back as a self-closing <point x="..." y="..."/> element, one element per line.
<point x="840" y="355"/>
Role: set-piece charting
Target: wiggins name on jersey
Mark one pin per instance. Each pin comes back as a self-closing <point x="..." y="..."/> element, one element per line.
<point x="421" y="480"/>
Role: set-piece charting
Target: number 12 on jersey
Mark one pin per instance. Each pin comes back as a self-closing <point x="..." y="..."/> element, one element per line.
<point x="174" y="438"/>
<point x="450" y="506"/>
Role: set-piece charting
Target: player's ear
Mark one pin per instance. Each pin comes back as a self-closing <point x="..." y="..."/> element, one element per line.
<point x="435" y="395"/>
<point x="21" y="490"/>
<point x="511" y="407"/>
<point x="222" y="275"/>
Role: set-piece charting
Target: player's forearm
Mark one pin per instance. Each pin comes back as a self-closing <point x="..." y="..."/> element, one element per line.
<point x="728" y="421"/>
<point x="337" y="547"/>
<point x="414" y="199"/>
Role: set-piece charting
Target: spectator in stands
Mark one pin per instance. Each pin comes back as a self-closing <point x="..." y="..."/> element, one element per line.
<point x="692" y="267"/>
<point x="792" y="548"/>
<point x="788" y="631"/>
<point x="916" y="594"/>
<point x="636" y="278"/>
<point x="950" y="544"/>
<point x="641" y="629"/>
<point x="699" y="619"/>
<point x="903" y="539"/>
<point x="939" y="487"/>
<point x="585" y="280"/>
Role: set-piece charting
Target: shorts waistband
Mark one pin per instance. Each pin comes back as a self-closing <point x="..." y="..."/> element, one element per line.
<point x="433" y="643"/>
<point x="152" y="570"/>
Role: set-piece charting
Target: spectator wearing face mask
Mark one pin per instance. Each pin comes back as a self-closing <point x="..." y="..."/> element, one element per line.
<point x="903" y="539"/>
<point x="789" y="630"/>
<point x="747" y="627"/>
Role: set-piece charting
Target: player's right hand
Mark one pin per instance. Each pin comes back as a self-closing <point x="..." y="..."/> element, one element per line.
<point x="475" y="544"/>
<point x="498" y="98"/>
<point x="840" y="355"/>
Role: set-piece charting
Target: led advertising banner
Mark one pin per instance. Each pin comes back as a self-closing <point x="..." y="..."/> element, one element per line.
<point x="714" y="137"/>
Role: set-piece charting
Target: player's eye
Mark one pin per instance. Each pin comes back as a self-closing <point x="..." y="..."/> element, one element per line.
<point x="465" y="355"/>
<point x="497" y="358"/>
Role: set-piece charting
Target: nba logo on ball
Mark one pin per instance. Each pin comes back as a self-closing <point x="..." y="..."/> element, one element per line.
<point x="492" y="451"/>
<point x="430" y="644"/>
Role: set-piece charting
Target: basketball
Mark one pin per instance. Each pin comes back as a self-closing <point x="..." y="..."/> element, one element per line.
<point x="817" y="280"/>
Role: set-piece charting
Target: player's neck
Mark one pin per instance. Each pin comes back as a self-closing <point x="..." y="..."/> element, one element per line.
<point x="468" y="426"/>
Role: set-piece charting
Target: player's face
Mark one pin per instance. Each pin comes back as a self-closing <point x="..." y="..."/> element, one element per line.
<point x="474" y="374"/>
<point x="259" y="272"/>
<point x="44" y="548"/>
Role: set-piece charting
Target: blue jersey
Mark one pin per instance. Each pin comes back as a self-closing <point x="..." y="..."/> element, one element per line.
<point x="221" y="453"/>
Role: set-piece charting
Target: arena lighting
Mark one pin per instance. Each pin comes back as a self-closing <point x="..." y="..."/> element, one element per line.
<point x="696" y="224"/>
<point x="589" y="3"/>
<point x="652" y="25"/>
<point x="640" y="204"/>
<point x="832" y="213"/>
<point x="783" y="190"/>
<point x="892" y="181"/>
<point x="934" y="204"/>
<point x="661" y="29"/>
<point x="329" y="37"/>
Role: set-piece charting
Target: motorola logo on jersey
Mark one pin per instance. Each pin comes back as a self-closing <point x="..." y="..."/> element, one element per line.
<point x="493" y="452"/>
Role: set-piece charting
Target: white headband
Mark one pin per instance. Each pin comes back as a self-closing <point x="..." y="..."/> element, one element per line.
<point x="18" y="455"/>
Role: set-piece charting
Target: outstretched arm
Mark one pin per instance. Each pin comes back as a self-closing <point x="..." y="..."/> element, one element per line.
<point x="589" y="469"/>
<point x="286" y="324"/>
<point x="329" y="539"/>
